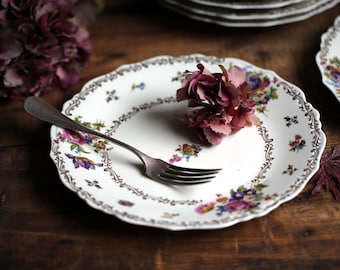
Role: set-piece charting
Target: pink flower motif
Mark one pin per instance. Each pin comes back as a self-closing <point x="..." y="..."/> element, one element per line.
<point x="224" y="102"/>
<point x="175" y="158"/>
<point x="74" y="137"/>
<point x="238" y="205"/>
<point x="204" y="208"/>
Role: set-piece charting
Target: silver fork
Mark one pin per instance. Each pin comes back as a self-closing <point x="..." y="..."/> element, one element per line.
<point x="155" y="169"/>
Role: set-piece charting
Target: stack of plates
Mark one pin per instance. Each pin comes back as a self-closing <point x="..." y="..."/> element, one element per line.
<point x="249" y="13"/>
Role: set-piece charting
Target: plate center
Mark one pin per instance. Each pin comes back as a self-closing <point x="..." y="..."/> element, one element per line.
<point x="158" y="132"/>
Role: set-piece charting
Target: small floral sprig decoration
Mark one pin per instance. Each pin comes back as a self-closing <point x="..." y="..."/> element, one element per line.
<point x="223" y="102"/>
<point x="328" y="175"/>
<point x="44" y="45"/>
<point x="185" y="151"/>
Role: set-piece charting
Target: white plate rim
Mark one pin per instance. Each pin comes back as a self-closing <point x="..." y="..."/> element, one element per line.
<point x="265" y="14"/>
<point x="322" y="56"/>
<point x="249" y="23"/>
<point x="249" y="4"/>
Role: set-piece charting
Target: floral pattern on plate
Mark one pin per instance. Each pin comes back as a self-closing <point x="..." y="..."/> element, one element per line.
<point x="240" y="200"/>
<point x="328" y="58"/>
<point x="259" y="171"/>
<point x="264" y="88"/>
<point x="186" y="151"/>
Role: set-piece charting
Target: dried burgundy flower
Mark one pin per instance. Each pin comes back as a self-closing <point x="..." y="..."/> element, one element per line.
<point x="224" y="101"/>
<point x="43" y="45"/>
<point x="328" y="175"/>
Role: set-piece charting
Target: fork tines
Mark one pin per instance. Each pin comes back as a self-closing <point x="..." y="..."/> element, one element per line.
<point x="182" y="175"/>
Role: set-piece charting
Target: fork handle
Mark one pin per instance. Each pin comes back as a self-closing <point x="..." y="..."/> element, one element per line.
<point x="44" y="111"/>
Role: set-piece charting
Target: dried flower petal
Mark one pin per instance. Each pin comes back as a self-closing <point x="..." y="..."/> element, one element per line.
<point x="223" y="100"/>
<point x="212" y="137"/>
<point x="236" y="76"/>
<point x="328" y="175"/>
<point x="43" y="45"/>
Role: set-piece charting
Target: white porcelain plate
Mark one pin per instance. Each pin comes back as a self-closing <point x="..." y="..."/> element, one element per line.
<point x="262" y="166"/>
<point x="328" y="58"/>
<point x="250" y="18"/>
<point x="251" y="14"/>
<point x="248" y="4"/>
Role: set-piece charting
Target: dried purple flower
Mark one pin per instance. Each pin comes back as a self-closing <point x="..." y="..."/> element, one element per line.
<point x="328" y="175"/>
<point x="43" y="45"/>
<point x="224" y="101"/>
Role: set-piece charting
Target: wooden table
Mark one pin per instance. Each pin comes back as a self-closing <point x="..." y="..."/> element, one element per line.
<point x="43" y="225"/>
